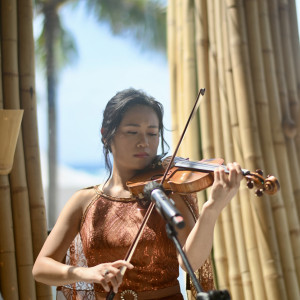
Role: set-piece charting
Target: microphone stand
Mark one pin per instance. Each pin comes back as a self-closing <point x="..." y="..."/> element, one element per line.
<point x="211" y="295"/>
<point x="166" y="208"/>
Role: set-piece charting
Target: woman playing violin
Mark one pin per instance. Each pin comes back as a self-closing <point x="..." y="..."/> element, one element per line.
<point x="98" y="224"/>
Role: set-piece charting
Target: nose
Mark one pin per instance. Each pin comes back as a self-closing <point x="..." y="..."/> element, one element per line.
<point x="143" y="141"/>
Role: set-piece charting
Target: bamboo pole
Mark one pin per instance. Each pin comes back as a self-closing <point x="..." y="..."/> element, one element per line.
<point x="201" y="50"/>
<point x="247" y="141"/>
<point x="280" y="149"/>
<point x="179" y="118"/>
<point x="249" y="133"/>
<point x="283" y="93"/>
<point x="8" y="269"/>
<point x="224" y="257"/>
<point x="296" y="56"/>
<point x="191" y="140"/>
<point x="201" y="43"/>
<point x="283" y="8"/>
<point x="234" y="274"/>
<point x="213" y="84"/>
<point x="296" y="52"/>
<point x="295" y="40"/>
<point x="269" y="253"/>
<point x="289" y="126"/>
<point x="289" y="65"/>
<point x="292" y="152"/>
<point x="171" y="42"/>
<point x="31" y="144"/>
<point x="237" y="150"/>
<point x="201" y="24"/>
<point x="18" y="185"/>
<point x="220" y="254"/>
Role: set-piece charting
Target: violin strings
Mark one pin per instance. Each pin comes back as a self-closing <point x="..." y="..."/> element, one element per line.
<point x="200" y="165"/>
<point x="205" y="166"/>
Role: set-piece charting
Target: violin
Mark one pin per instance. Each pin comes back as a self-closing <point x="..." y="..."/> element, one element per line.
<point x="185" y="177"/>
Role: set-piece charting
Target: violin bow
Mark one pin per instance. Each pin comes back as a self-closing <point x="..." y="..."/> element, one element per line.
<point x="134" y="244"/>
<point x="195" y="107"/>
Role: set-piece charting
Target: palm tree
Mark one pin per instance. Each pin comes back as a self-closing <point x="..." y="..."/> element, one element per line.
<point x="142" y="20"/>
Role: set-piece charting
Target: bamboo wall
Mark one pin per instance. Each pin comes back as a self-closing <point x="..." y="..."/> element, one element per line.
<point x="246" y="55"/>
<point x="22" y="211"/>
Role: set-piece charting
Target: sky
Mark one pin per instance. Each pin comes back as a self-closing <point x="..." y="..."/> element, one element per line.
<point x="106" y="65"/>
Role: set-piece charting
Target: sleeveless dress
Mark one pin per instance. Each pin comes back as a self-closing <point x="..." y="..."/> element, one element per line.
<point x="107" y="230"/>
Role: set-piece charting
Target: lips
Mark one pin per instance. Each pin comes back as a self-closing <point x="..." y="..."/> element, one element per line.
<point x="141" y="155"/>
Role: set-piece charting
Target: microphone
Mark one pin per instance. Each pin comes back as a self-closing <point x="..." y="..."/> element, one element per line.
<point x="214" y="295"/>
<point x="164" y="205"/>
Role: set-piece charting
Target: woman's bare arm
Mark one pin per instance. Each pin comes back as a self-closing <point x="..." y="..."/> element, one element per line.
<point x="197" y="239"/>
<point x="49" y="268"/>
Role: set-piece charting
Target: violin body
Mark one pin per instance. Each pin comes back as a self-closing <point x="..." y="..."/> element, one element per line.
<point x="178" y="180"/>
<point x="185" y="177"/>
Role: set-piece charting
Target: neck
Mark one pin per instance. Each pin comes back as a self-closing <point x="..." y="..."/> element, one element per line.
<point x="116" y="185"/>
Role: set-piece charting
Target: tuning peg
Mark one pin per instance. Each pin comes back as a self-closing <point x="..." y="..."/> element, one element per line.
<point x="259" y="192"/>
<point x="260" y="172"/>
<point x="250" y="184"/>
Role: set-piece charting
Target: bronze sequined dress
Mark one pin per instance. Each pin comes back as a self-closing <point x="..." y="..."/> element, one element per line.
<point x="108" y="227"/>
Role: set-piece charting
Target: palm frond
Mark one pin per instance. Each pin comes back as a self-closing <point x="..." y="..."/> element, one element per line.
<point x="142" y="20"/>
<point x="64" y="43"/>
<point x="66" y="49"/>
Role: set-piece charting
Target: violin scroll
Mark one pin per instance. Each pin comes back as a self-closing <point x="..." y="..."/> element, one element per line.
<point x="269" y="185"/>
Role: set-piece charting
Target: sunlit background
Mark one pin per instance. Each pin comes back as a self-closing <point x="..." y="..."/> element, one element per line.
<point x="105" y="65"/>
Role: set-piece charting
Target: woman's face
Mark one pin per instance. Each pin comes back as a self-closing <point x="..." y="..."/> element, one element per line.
<point x="135" y="142"/>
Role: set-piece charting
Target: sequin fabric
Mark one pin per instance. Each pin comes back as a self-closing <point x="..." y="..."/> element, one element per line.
<point x="107" y="229"/>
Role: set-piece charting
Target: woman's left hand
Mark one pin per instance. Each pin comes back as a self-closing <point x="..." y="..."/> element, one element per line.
<point x="225" y="186"/>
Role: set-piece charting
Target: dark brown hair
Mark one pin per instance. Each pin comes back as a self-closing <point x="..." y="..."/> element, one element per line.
<point x="113" y="114"/>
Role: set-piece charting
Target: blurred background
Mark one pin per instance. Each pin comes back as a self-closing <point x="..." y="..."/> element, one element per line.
<point x="105" y="52"/>
<point x="86" y="51"/>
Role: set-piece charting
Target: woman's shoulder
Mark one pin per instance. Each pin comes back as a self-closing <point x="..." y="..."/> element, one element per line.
<point x="85" y="195"/>
<point x="86" y="192"/>
<point x="81" y="199"/>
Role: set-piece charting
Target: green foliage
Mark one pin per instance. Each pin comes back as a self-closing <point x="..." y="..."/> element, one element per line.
<point x="65" y="49"/>
<point x="64" y="46"/>
<point x="142" y="20"/>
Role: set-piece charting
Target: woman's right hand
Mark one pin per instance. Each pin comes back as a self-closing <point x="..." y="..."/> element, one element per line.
<point x="107" y="273"/>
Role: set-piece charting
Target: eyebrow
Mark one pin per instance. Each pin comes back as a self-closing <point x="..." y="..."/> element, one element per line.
<point x="136" y="125"/>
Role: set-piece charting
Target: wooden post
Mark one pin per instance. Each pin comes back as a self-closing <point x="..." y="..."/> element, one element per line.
<point x="234" y="274"/>
<point x="8" y="268"/>
<point x="30" y="133"/>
